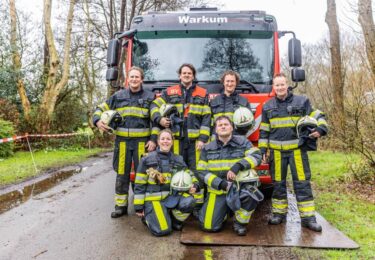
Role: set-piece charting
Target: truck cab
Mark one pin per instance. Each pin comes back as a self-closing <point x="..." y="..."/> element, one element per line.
<point x="213" y="41"/>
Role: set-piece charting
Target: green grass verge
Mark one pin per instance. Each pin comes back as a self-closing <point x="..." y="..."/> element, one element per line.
<point x="351" y="215"/>
<point x="20" y="166"/>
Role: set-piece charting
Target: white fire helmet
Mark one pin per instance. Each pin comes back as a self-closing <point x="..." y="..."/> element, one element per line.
<point x="306" y="123"/>
<point x="111" y="118"/>
<point x="166" y="110"/>
<point x="181" y="181"/>
<point x="247" y="176"/>
<point x="243" y="118"/>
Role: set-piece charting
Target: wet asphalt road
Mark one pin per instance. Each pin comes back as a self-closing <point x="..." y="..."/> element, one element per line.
<point x="72" y="221"/>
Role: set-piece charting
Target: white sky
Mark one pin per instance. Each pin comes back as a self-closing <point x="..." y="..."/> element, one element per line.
<point x="305" y="17"/>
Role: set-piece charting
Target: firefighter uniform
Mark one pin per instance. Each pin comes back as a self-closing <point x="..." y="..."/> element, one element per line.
<point x="151" y="197"/>
<point x="131" y="135"/>
<point x="278" y="134"/>
<point x="215" y="162"/>
<point x="192" y="105"/>
<point x="222" y="105"/>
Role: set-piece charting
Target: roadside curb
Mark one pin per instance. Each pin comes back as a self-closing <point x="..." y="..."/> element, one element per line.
<point x="16" y="194"/>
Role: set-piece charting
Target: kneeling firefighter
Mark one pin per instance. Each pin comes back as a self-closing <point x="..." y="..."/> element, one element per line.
<point x="164" y="199"/>
<point x="219" y="164"/>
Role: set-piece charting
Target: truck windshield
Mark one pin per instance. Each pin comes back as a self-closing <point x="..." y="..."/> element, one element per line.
<point x="250" y="53"/>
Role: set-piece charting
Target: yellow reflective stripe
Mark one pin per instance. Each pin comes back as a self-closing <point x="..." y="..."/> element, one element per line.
<point x="121" y="158"/>
<point x="137" y="111"/>
<point x="153" y="111"/>
<point x="209" y="211"/>
<point x="160" y="215"/>
<point x="159" y="101"/>
<point x="199" y="196"/>
<point x="156" y="196"/>
<point x="206" y="110"/>
<point x="141" y="150"/>
<point x="121" y="199"/>
<point x="277" y="162"/>
<point x="202" y="165"/>
<point x="132" y="132"/>
<point x="141" y="178"/>
<point x="322" y="121"/>
<point x="217" y="192"/>
<point x="104" y="106"/>
<point x="155" y="130"/>
<point x="210" y="179"/>
<point x="176" y="146"/>
<point x="299" y="165"/>
<point x="228" y="114"/>
<point x="98" y="113"/>
<point x="282" y="122"/>
<point x="284" y="145"/>
<point x="179" y="215"/>
<point x="243" y="216"/>
<point x="265" y="127"/>
<point x="197" y="154"/>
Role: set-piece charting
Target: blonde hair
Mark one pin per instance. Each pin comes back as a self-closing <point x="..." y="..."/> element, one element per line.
<point x="138" y="69"/>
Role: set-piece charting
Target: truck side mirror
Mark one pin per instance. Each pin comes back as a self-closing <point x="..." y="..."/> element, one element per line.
<point x="113" y="52"/>
<point x="294" y="52"/>
<point x="298" y="75"/>
<point x="112" y="74"/>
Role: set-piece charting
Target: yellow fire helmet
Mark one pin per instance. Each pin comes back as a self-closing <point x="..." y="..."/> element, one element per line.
<point x="306" y="123"/>
<point x="181" y="181"/>
<point x="243" y="118"/>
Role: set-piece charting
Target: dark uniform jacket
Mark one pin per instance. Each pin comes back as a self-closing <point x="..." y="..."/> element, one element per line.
<point x="279" y="120"/>
<point x="192" y="105"/>
<point x="223" y="105"/>
<point x="146" y="188"/>
<point x="217" y="159"/>
<point x="135" y="110"/>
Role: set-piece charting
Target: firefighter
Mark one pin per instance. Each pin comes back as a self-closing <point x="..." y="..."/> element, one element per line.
<point x="132" y="134"/>
<point x="158" y="172"/>
<point x="278" y="134"/>
<point x="191" y="101"/>
<point x="228" y="101"/>
<point x="220" y="161"/>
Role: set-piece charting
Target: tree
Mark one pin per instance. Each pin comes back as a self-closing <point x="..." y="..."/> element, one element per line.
<point x="16" y="59"/>
<point x="53" y="86"/>
<point x="367" y="23"/>
<point x="336" y="66"/>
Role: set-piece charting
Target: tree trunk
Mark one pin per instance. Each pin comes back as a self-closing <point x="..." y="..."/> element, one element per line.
<point x="367" y="23"/>
<point x="53" y="87"/>
<point x="16" y="58"/>
<point x="336" y="66"/>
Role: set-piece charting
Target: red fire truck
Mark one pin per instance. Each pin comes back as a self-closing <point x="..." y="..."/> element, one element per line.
<point x="213" y="41"/>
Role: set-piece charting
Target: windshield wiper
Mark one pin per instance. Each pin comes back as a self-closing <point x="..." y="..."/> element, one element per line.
<point x="248" y="83"/>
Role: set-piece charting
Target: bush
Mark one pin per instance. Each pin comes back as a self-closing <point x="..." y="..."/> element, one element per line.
<point x="6" y="130"/>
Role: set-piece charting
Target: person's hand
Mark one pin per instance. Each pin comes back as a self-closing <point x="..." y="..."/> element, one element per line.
<point x="231" y="176"/>
<point x="264" y="159"/>
<point x="103" y="127"/>
<point x="165" y="122"/>
<point x="140" y="213"/>
<point x="150" y="146"/>
<point x="315" y="134"/>
<point x="199" y="145"/>
<point x="192" y="189"/>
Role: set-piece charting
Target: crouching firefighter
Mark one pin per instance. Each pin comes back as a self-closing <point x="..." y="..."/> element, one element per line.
<point x="127" y="115"/>
<point x="219" y="163"/>
<point x="288" y="134"/>
<point x="164" y="198"/>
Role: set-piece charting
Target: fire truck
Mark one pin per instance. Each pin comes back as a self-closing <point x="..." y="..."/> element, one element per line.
<point x="213" y="41"/>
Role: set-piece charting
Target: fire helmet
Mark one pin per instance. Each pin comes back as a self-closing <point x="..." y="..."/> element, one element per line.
<point x="305" y="125"/>
<point x="166" y="110"/>
<point x="111" y="118"/>
<point x="181" y="181"/>
<point x="247" y="176"/>
<point x="243" y="118"/>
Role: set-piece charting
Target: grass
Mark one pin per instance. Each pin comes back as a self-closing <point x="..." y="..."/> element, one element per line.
<point x="20" y="166"/>
<point x="343" y="209"/>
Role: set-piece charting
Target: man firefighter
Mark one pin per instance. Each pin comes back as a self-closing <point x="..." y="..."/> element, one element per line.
<point x="278" y="134"/>
<point x="194" y="118"/>
<point x="229" y="102"/>
<point x="132" y="132"/>
<point x="220" y="161"/>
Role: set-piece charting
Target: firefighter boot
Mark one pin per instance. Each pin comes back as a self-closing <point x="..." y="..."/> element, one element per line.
<point x="311" y="224"/>
<point x="176" y="224"/>
<point x="276" y="219"/>
<point x="239" y="228"/>
<point x="119" y="211"/>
